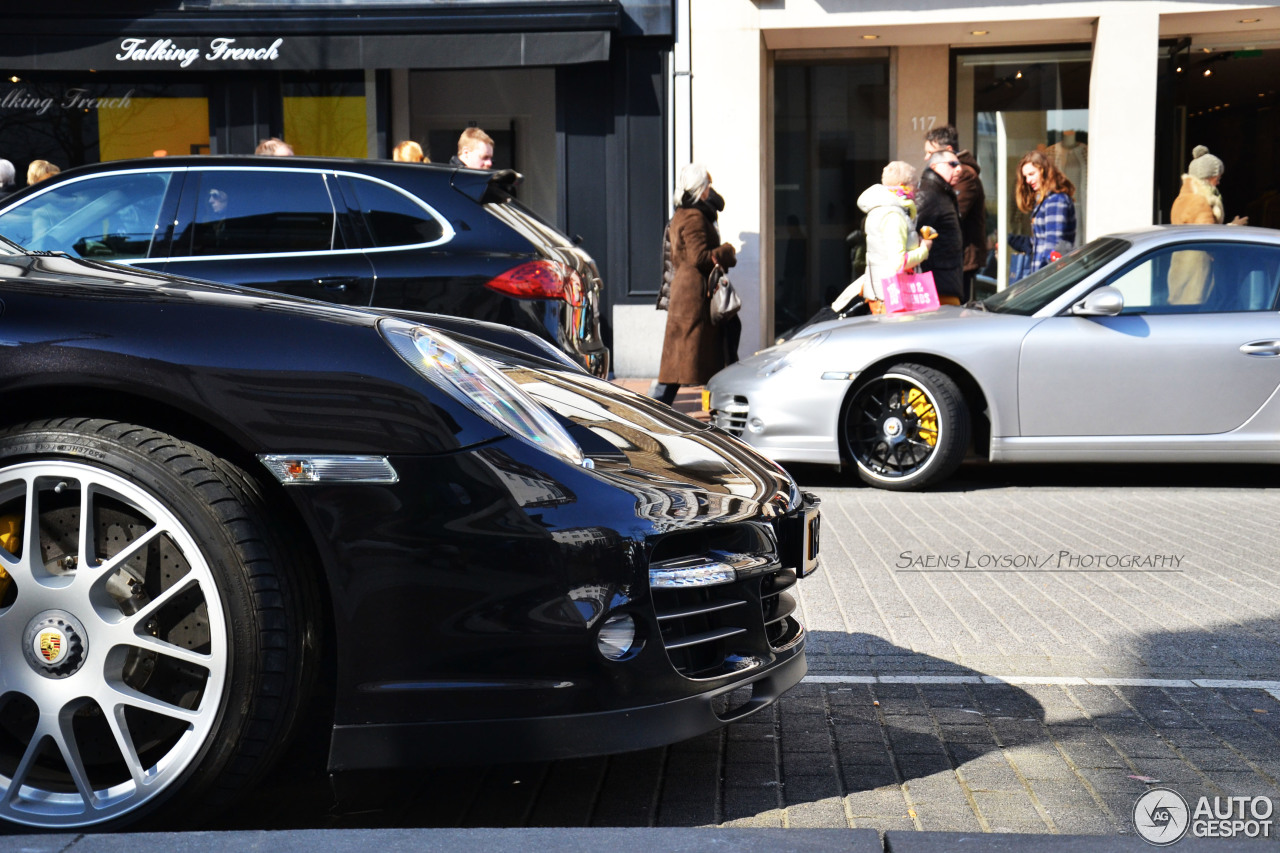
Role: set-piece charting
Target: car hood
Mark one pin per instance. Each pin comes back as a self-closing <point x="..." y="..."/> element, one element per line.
<point x="857" y="341"/>
<point x="668" y="459"/>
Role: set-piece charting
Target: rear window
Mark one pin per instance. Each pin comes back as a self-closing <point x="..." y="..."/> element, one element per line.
<point x="393" y="218"/>
<point x="259" y="211"/>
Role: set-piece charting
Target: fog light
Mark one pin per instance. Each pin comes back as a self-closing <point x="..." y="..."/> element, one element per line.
<point x="617" y="636"/>
<point x="755" y="425"/>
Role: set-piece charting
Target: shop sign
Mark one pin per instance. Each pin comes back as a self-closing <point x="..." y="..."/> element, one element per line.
<point x="220" y="50"/>
<point x="71" y="99"/>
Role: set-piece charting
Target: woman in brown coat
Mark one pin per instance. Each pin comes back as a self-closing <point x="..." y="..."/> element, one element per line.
<point x="692" y="349"/>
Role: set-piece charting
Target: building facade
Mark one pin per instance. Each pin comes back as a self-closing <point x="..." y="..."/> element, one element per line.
<point x="796" y="105"/>
<point x="572" y="91"/>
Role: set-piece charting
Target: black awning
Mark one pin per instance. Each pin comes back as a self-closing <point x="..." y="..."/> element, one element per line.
<point x="150" y="53"/>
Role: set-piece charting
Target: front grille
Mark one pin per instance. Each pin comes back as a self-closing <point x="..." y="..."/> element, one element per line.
<point x="778" y="608"/>
<point x="733" y="417"/>
<point x="722" y="628"/>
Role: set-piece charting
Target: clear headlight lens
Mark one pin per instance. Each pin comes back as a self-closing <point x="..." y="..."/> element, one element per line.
<point x="784" y="354"/>
<point x="479" y="386"/>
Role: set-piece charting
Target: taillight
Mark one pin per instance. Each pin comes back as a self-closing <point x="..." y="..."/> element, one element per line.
<point x="540" y="280"/>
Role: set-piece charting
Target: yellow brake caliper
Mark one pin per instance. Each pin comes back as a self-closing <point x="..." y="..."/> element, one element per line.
<point x="926" y="415"/>
<point x="10" y="531"/>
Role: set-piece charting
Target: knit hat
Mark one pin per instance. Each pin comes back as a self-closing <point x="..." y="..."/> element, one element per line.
<point x="1203" y="164"/>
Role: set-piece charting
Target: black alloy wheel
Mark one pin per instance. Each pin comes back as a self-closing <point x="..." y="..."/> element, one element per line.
<point x="906" y="428"/>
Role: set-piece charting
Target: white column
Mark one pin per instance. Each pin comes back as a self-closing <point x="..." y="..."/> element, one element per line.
<point x="1122" y="117"/>
<point x="729" y="136"/>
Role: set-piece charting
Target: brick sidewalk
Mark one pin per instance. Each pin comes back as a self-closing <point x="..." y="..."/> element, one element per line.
<point x="1033" y="700"/>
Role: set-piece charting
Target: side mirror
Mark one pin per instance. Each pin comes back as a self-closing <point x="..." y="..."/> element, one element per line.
<point x="1103" y="302"/>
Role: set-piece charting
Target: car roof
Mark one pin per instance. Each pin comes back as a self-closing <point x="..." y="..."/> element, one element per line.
<point x="251" y="161"/>
<point x="1160" y="234"/>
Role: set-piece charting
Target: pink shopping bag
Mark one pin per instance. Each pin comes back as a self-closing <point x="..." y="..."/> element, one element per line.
<point x="907" y="292"/>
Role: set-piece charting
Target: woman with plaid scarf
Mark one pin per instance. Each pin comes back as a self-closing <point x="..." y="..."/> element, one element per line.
<point x="1048" y="196"/>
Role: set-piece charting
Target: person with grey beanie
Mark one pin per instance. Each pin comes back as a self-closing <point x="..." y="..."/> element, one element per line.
<point x="1191" y="271"/>
<point x="1200" y="202"/>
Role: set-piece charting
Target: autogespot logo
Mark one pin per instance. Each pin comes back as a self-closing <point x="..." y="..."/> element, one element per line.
<point x="1161" y="816"/>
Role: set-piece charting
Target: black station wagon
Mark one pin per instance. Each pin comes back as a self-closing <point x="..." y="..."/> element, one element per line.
<point x="357" y="232"/>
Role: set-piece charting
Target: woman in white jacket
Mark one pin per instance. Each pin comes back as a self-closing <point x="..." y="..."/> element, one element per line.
<point x="892" y="242"/>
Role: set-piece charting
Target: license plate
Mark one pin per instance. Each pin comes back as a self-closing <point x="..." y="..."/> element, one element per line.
<point x="800" y="537"/>
<point x="812" y="538"/>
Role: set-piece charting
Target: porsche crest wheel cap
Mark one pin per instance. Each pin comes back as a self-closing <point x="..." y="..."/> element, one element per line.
<point x="55" y="644"/>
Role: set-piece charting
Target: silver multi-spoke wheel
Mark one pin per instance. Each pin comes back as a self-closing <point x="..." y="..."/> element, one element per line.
<point x="113" y="642"/>
<point x="155" y="638"/>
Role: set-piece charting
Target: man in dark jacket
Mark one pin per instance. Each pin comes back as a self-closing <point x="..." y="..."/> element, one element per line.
<point x="972" y="200"/>
<point x="937" y="207"/>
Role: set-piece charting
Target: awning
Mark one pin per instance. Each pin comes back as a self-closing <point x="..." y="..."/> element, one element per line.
<point x="292" y="52"/>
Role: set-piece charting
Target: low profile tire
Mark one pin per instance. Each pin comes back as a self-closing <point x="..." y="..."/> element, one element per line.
<point x="154" y="638"/>
<point x="906" y="428"/>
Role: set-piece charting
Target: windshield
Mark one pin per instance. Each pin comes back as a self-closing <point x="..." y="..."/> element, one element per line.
<point x="1049" y="282"/>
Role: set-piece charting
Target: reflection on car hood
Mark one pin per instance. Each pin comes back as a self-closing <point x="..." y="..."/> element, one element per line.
<point x="667" y="459"/>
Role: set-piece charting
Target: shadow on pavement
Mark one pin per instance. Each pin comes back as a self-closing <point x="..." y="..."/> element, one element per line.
<point x="819" y="743"/>
<point x="975" y="475"/>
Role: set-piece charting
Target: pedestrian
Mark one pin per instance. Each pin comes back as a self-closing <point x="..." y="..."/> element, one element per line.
<point x="475" y="150"/>
<point x="274" y="147"/>
<point x="939" y="209"/>
<point x="1048" y="196"/>
<point x="693" y="348"/>
<point x="39" y="170"/>
<point x="971" y="200"/>
<point x="893" y="244"/>
<point x="1200" y="203"/>
<point x="7" y="177"/>
<point x="409" y="152"/>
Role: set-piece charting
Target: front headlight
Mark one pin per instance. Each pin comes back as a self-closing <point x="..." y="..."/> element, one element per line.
<point x="784" y="354"/>
<point x="479" y="386"/>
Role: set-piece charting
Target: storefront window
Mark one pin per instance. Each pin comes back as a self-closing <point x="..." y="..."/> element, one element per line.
<point x="325" y="118"/>
<point x="831" y="142"/>
<point x="71" y="121"/>
<point x="1006" y="105"/>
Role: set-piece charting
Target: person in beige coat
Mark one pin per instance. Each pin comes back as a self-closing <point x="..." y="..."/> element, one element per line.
<point x="692" y="349"/>
<point x="1199" y="203"/>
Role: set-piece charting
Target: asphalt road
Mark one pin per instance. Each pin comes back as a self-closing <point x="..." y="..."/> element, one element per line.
<point x="1027" y="650"/>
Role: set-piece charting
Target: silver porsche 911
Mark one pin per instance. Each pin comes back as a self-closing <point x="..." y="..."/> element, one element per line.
<point x="1159" y="345"/>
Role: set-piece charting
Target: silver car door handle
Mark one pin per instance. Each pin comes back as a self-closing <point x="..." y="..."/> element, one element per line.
<point x="1261" y="348"/>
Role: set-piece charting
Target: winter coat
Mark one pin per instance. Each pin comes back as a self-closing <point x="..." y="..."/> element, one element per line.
<point x="1191" y="271"/>
<point x="668" y="270"/>
<point x="939" y="208"/>
<point x="1053" y="228"/>
<point x="972" y="203"/>
<point x="691" y="348"/>
<point x="1199" y="203"/>
<point x="892" y="242"/>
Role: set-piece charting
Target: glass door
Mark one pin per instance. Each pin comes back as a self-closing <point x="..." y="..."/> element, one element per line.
<point x="1008" y="104"/>
<point x="831" y="141"/>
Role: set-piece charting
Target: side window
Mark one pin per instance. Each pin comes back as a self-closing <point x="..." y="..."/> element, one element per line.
<point x="1202" y="278"/>
<point x="111" y="217"/>
<point x="394" y="219"/>
<point x="260" y="211"/>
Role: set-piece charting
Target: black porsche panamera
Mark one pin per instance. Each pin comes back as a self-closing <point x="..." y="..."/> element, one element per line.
<point x="220" y="506"/>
